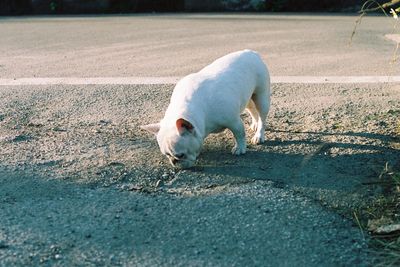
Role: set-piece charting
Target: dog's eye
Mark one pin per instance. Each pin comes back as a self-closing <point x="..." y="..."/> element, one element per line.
<point x="179" y="156"/>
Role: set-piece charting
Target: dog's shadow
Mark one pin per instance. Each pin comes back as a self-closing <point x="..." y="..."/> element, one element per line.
<point x="318" y="160"/>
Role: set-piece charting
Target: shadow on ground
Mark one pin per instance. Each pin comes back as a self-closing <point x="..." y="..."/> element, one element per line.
<point x="329" y="150"/>
<point x="64" y="223"/>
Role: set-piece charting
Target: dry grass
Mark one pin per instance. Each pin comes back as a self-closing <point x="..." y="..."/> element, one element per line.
<point x="384" y="211"/>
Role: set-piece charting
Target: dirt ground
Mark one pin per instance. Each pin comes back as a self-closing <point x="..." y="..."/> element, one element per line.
<point x="328" y="141"/>
<point x="325" y="143"/>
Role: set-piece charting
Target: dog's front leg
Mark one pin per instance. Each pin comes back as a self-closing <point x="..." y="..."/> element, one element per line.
<point x="239" y="133"/>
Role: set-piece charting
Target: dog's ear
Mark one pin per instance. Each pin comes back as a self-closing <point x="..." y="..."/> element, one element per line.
<point x="184" y="126"/>
<point x="152" y="128"/>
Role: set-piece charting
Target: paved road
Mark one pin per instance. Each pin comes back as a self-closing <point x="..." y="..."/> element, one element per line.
<point x="62" y="224"/>
<point x="172" y="45"/>
<point x="81" y="185"/>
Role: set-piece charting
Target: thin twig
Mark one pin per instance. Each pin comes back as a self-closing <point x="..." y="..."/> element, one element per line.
<point x="395" y="57"/>
<point x="359" y="224"/>
<point x="380" y="7"/>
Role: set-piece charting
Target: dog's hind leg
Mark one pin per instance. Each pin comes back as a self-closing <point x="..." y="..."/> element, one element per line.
<point x="252" y="110"/>
<point x="261" y="100"/>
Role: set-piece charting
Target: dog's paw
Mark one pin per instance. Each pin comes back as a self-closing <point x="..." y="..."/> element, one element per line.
<point x="254" y="126"/>
<point x="258" y="139"/>
<point x="237" y="150"/>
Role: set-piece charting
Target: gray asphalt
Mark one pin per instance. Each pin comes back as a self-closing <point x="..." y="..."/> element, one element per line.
<point x="61" y="224"/>
<point x="81" y="185"/>
<point x="175" y="45"/>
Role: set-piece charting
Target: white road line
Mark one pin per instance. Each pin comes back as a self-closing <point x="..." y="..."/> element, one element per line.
<point x="173" y="80"/>
<point x="335" y="79"/>
<point x="89" y="80"/>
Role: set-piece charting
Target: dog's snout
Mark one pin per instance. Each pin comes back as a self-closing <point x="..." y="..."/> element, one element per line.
<point x="181" y="164"/>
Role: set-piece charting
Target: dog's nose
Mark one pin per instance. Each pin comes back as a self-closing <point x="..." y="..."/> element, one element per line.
<point x="174" y="161"/>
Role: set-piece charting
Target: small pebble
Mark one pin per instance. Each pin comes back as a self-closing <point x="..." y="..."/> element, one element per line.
<point x="3" y="245"/>
<point x="158" y="183"/>
<point x="135" y="188"/>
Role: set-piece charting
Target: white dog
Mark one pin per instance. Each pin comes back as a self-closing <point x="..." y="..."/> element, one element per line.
<point x="212" y="100"/>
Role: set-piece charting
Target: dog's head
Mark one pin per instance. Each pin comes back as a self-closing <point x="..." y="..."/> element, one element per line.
<point x="180" y="142"/>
